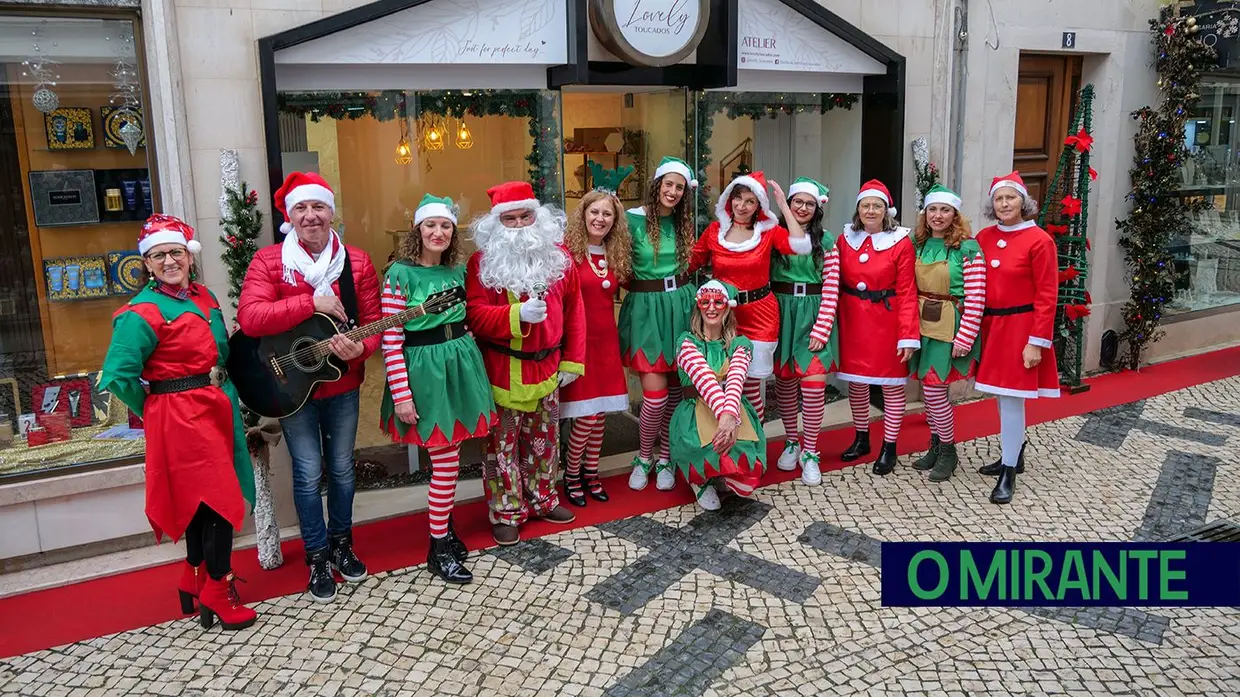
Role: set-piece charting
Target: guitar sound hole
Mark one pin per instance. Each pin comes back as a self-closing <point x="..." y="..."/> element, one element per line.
<point x="304" y="357"/>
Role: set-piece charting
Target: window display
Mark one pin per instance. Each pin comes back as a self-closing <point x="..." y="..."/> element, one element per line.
<point x="74" y="161"/>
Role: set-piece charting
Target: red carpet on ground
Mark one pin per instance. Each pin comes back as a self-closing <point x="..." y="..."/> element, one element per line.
<point x="57" y="616"/>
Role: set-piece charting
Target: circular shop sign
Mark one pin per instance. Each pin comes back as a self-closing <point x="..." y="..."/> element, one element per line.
<point x="652" y="33"/>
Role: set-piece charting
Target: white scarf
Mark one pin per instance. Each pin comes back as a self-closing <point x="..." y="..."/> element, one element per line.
<point x="320" y="274"/>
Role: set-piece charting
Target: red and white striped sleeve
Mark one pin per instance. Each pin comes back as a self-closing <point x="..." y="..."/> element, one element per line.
<point x="392" y="301"/>
<point x="830" y="296"/>
<point x="974" y="302"/>
<point x="691" y="360"/>
<point x="734" y="381"/>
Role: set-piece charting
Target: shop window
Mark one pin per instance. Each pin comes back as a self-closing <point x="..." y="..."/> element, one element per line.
<point x="1207" y="262"/>
<point x="76" y="180"/>
<point x="381" y="152"/>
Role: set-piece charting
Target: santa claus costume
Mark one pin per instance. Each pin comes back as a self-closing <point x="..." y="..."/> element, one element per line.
<point x="951" y="293"/>
<point x="598" y="237"/>
<point x="198" y="471"/>
<point x="878" y="317"/>
<point x="807" y="288"/>
<point x="744" y="261"/>
<point x="524" y="307"/>
<point x="450" y="397"/>
<point x="655" y="311"/>
<point x="1022" y="288"/>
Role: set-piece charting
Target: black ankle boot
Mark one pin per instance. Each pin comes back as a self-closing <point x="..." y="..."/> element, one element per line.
<point x="443" y="563"/>
<point x="860" y="447"/>
<point x="459" y="550"/>
<point x="886" y="461"/>
<point x="1005" y="487"/>
<point x="574" y="490"/>
<point x="994" y="468"/>
<point x="928" y="460"/>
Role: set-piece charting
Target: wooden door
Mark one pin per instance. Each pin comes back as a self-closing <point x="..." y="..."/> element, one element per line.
<point x="1045" y="97"/>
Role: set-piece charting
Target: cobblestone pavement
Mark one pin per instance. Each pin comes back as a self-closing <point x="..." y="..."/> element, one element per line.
<point x="776" y="596"/>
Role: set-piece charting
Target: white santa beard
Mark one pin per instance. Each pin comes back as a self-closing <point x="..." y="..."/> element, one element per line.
<point x="517" y="259"/>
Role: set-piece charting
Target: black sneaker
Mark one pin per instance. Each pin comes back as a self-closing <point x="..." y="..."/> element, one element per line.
<point x="322" y="586"/>
<point x="344" y="560"/>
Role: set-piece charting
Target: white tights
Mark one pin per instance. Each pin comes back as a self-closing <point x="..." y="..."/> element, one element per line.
<point x="1011" y="428"/>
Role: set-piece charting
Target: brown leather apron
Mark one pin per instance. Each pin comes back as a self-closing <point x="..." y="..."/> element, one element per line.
<point x="707" y="424"/>
<point x="937" y="308"/>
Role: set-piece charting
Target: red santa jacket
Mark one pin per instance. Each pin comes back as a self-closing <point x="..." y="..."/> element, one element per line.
<point x="556" y="344"/>
<point x="269" y="305"/>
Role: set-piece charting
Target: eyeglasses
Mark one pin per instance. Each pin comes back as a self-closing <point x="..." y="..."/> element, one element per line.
<point x="158" y="257"/>
<point x="872" y="207"/>
<point x="802" y="203"/>
<point x="711" y="303"/>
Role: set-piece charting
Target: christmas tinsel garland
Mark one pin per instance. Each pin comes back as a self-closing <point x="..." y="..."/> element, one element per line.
<point x="1158" y="213"/>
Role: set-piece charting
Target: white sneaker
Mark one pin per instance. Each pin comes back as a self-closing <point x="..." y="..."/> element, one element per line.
<point x="810" y="473"/>
<point x="788" y="458"/>
<point x="708" y="498"/>
<point x="640" y="476"/>
<point x="665" y="477"/>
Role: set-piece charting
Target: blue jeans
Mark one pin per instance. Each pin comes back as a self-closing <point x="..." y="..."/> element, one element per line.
<point x="323" y="429"/>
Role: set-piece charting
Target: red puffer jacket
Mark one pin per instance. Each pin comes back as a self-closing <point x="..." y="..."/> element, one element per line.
<point x="269" y="306"/>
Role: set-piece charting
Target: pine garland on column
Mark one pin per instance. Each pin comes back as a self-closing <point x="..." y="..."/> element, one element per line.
<point x="1158" y="214"/>
<point x="242" y="224"/>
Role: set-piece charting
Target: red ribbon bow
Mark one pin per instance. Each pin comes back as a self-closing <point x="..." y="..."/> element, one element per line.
<point x="1071" y="205"/>
<point x="1082" y="141"/>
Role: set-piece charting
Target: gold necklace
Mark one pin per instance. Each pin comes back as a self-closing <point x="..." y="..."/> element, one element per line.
<point x="601" y="269"/>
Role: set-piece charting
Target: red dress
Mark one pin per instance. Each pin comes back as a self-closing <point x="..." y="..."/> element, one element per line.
<point x="1022" y="287"/>
<point x="603" y="388"/>
<point x="871" y="333"/>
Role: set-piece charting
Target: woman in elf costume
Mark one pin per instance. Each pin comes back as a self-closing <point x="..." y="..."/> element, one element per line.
<point x="951" y="293"/>
<point x="598" y="238"/>
<point x="1022" y="289"/>
<point x="738" y="246"/>
<point x="656" y="308"/>
<point x="198" y="471"/>
<point x="878" y="313"/>
<point x="807" y="289"/>
<point x="716" y="434"/>
<point x="449" y="399"/>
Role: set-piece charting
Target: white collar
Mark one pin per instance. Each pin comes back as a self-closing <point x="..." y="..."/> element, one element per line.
<point x="595" y="249"/>
<point x="881" y="240"/>
<point x="1022" y="225"/>
<point x="754" y="240"/>
<point x="637" y="211"/>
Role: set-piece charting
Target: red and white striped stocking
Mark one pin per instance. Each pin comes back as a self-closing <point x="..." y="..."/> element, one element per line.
<point x="445" y="463"/>
<point x="859" y="404"/>
<point x="654" y="405"/>
<point x="939" y="412"/>
<point x="753" y="393"/>
<point x="893" y="412"/>
<point x="578" y="438"/>
<point x="594" y="445"/>
<point x="814" y="402"/>
<point x="674" y="395"/>
<point x="786" y="398"/>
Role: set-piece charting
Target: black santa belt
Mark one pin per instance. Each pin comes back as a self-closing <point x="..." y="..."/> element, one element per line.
<point x="435" y="335"/>
<point x="519" y="354"/>
<point x="214" y="378"/>
<point x="875" y="296"/>
<point x="1003" y="311"/>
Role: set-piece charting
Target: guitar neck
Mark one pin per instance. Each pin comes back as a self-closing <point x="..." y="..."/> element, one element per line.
<point x="384" y="324"/>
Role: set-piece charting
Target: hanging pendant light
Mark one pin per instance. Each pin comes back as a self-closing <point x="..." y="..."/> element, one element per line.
<point x="435" y="135"/>
<point x="404" y="153"/>
<point x="464" y="139"/>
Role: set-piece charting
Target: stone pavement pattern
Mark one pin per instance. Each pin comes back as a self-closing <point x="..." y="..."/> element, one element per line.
<point x="776" y="596"/>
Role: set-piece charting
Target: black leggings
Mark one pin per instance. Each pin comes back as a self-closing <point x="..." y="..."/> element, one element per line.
<point x="209" y="537"/>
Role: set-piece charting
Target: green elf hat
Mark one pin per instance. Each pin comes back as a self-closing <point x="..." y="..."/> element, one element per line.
<point x="435" y="207"/>
<point x="675" y="165"/>
<point x="941" y="194"/>
<point x="805" y="185"/>
<point x="608" y="180"/>
<point x="713" y="287"/>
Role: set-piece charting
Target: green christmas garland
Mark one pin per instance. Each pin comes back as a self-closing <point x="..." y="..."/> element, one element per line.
<point x="241" y="228"/>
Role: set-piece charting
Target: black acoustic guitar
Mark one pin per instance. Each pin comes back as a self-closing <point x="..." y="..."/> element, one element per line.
<point x="275" y="375"/>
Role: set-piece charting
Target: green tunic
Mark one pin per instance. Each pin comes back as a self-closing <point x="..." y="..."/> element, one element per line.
<point x="698" y="462"/>
<point x="650" y="322"/>
<point x="933" y="362"/>
<point x="451" y="392"/>
<point x="798" y="314"/>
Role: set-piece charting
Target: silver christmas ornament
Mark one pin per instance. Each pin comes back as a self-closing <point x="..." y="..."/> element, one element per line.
<point x="131" y="135"/>
<point x="45" y="100"/>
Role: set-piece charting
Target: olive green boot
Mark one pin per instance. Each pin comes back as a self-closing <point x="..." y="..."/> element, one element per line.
<point x="927" y="461"/>
<point x="946" y="464"/>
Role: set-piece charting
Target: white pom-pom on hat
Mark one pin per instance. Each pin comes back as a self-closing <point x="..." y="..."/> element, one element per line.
<point x="892" y="212"/>
<point x="731" y="303"/>
<point x="693" y="183"/>
<point x="194" y="246"/>
<point x="286" y="227"/>
<point x="823" y="199"/>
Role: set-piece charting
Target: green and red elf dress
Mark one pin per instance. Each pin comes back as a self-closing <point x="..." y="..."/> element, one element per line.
<point x="659" y="298"/>
<point x="951" y="294"/>
<point x="195" y="439"/>
<point x="449" y="389"/>
<point x="808" y="294"/>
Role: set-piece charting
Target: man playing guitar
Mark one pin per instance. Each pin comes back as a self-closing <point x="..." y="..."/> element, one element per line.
<point x="286" y="284"/>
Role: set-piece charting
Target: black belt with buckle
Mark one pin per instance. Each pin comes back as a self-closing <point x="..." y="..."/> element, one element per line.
<point x="216" y="377"/>
<point x="874" y="296"/>
<point x="658" y="285"/>
<point x="1002" y="311"/>
<point x="745" y="297"/>
<point x="521" y="355"/>
<point x="796" y="289"/>
<point x="435" y="335"/>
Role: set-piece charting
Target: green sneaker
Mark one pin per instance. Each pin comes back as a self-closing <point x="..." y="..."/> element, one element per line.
<point x="927" y="461"/>
<point x="946" y="465"/>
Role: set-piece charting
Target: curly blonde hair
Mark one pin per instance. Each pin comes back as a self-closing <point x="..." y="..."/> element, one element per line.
<point x="411" y="246"/>
<point x="617" y="245"/>
<point x="960" y="231"/>
<point x="686" y="236"/>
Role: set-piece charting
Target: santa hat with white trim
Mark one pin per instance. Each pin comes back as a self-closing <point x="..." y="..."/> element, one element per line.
<point x="166" y="229"/>
<point x="300" y="187"/>
<point x="877" y="189"/>
<point x="805" y="185"/>
<point x="764" y="219"/>
<point x="941" y="194"/>
<point x="435" y="207"/>
<point x="512" y="196"/>
<point x="675" y="165"/>
<point x="1013" y="181"/>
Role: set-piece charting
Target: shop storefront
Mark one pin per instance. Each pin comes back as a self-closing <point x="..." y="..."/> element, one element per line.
<point x="77" y="174"/>
<point x="394" y="100"/>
